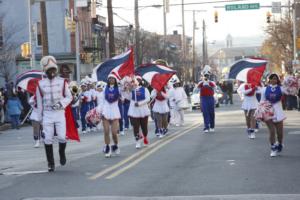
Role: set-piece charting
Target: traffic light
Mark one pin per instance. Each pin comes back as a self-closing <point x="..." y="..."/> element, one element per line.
<point x="268" y="17"/>
<point x="25" y="50"/>
<point x="216" y="16"/>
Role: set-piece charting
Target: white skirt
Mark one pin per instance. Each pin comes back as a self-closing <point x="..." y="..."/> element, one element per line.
<point x="138" y="112"/>
<point x="249" y="103"/>
<point x="161" y="106"/>
<point x="111" y="111"/>
<point x="278" y="112"/>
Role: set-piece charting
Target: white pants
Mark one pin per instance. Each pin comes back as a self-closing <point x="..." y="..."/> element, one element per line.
<point x="178" y="116"/>
<point x="54" y="121"/>
<point x="173" y="115"/>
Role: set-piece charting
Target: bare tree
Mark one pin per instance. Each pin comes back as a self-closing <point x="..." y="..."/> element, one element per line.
<point x="278" y="46"/>
<point x="8" y="51"/>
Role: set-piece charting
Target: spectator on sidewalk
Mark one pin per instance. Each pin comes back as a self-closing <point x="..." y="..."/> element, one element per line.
<point x="14" y="109"/>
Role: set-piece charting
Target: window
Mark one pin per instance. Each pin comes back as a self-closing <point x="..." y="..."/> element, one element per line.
<point x="38" y="34"/>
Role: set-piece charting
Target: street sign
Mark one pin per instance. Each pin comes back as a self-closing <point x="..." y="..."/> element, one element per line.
<point x="276" y="7"/>
<point x="81" y="3"/>
<point x="248" y="6"/>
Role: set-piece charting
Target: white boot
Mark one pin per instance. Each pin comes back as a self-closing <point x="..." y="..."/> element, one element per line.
<point x="37" y="144"/>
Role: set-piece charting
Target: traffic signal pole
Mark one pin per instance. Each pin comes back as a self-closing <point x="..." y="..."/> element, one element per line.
<point x="31" y="45"/>
<point x="77" y="52"/>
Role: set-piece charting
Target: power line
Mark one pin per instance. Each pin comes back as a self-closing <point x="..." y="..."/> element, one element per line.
<point x="179" y="4"/>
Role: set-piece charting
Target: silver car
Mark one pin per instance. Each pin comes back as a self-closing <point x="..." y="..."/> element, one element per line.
<point x="195" y="97"/>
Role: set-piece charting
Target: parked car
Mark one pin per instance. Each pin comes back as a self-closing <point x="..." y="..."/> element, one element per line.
<point x="195" y="97"/>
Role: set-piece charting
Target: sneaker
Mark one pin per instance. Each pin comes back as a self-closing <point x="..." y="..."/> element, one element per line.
<point x="125" y="129"/>
<point x="165" y="131"/>
<point x="37" y="144"/>
<point x="252" y="135"/>
<point x="146" y="142"/>
<point x="88" y="130"/>
<point x="115" y="149"/>
<point x="205" y="130"/>
<point x="161" y="136"/>
<point x="122" y="133"/>
<point x="107" y="151"/>
<point x="255" y="130"/>
<point x="212" y="130"/>
<point x="138" y="144"/>
<point x="279" y="147"/>
<point x="84" y="132"/>
<point x="249" y="133"/>
<point x="273" y="151"/>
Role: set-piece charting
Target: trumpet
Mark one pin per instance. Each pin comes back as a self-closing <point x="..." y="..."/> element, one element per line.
<point x="74" y="90"/>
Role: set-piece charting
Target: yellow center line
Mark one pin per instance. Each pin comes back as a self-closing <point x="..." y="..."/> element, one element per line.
<point x="135" y="162"/>
<point x="107" y="170"/>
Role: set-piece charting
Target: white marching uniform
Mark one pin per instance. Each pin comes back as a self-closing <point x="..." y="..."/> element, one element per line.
<point x="48" y="94"/>
<point x="172" y="103"/>
<point x="34" y="113"/>
<point x="178" y="95"/>
<point x="110" y="111"/>
<point x="160" y="106"/>
<point x="143" y="109"/>
<point x="99" y="98"/>
<point x="249" y="102"/>
<point x="278" y="111"/>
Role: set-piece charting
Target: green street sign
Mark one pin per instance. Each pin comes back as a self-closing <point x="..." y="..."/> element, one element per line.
<point x="248" y="6"/>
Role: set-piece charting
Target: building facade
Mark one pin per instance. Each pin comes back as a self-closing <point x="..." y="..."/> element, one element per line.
<point x="14" y="24"/>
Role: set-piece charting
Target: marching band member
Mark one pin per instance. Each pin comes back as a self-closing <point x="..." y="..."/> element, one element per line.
<point x="75" y="103"/>
<point x="207" y="90"/>
<point x="53" y="95"/>
<point x="85" y="99"/>
<point x="111" y="115"/>
<point x="249" y="105"/>
<point x="93" y="102"/>
<point x="100" y="86"/>
<point x="273" y="93"/>
<point x="179" y="96"/>
<point x="139" y="112"/>
<point x="161" y="111"/>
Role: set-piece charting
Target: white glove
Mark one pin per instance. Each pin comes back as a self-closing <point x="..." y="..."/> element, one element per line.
<point x="205" y="83"/>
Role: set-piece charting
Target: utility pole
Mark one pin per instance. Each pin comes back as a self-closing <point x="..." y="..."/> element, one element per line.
<point x="194" y="43"/>
<point x="204" y="45"/>
<point x="111" y="37"/>
<point x="43" y="15"/>
<point x="165" y="28"/>
<point x="183" y="35"/>
<point x="137" y="33"/>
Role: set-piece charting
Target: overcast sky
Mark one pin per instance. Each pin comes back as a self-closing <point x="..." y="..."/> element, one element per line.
<point x="237" y="23"/>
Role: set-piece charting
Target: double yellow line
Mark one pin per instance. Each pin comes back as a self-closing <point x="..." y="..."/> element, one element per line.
<point x="140" y="155"/>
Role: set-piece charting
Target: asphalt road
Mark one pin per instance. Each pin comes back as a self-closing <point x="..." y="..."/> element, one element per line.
<point x="187" y="164"/>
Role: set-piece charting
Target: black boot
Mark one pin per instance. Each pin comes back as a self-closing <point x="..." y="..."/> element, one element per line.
<point x="50" y="158"/>
<point x="62" y="155"/>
